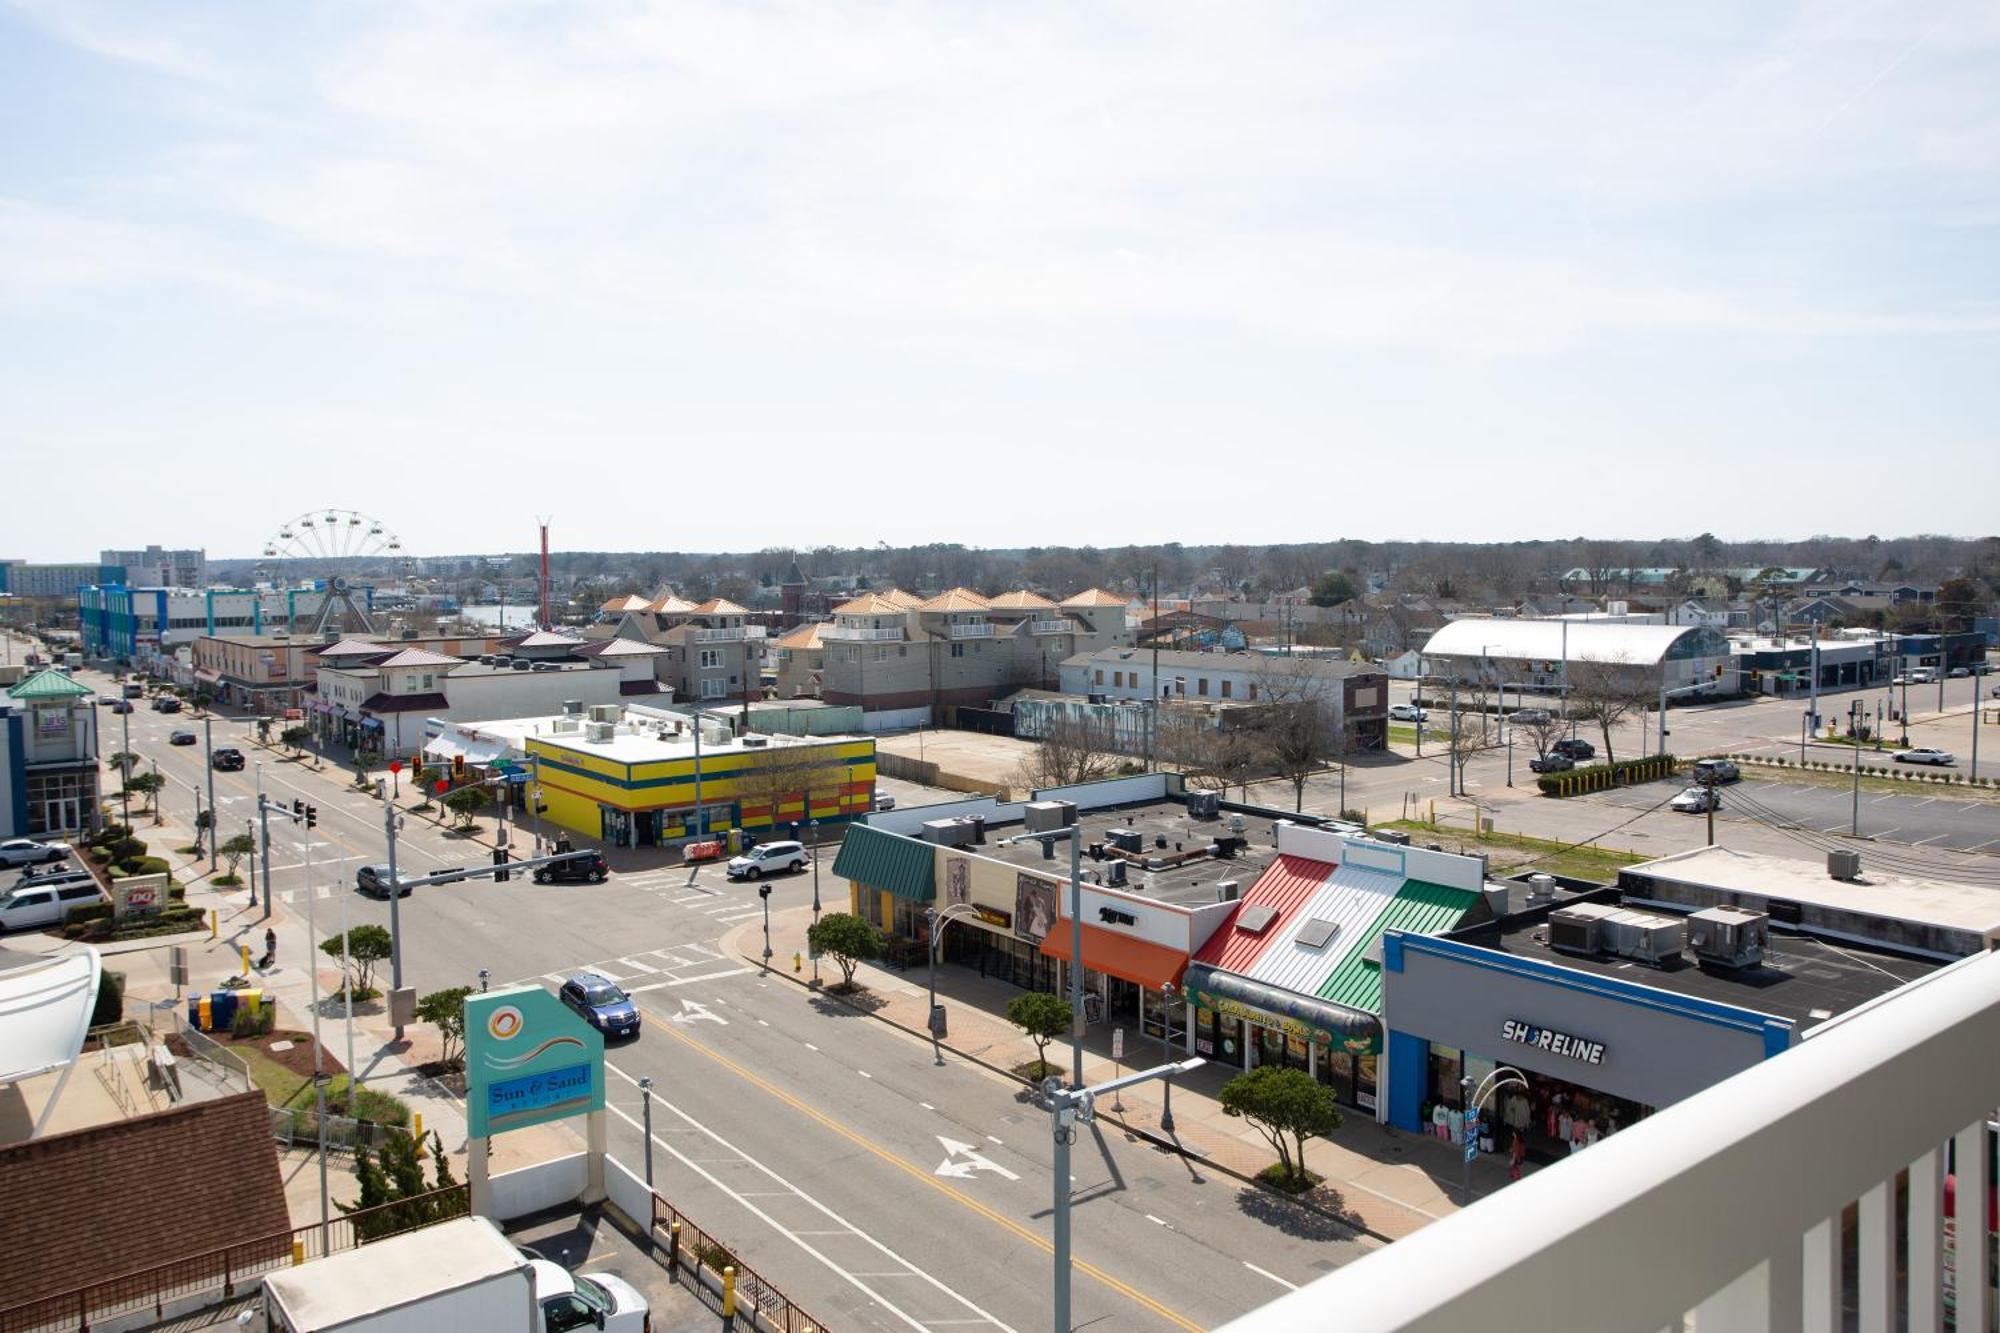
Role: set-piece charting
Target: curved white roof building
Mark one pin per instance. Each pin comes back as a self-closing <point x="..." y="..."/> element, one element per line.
<point x="1576" y="641"/>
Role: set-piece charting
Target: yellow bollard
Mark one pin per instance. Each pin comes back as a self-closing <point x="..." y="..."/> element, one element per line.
<point x="213" y="921"/>
<point x="796" y="961"/>
<point x="417" y="1130"/>
<point x="244" y="949"/>
<point x="298" y="1253"/>
<point x="729" y="1292"/>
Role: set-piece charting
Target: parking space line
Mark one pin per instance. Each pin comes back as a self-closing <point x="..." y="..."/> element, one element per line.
<point x="556" y="977"/>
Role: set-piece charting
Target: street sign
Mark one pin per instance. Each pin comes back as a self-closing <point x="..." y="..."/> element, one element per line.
<point x="395" y="766"/>
<point x="442" y="786"/>
<point x="1118" y="1043"/>
<point x="518" y="778"/>
<point x="1472" y="1136"/>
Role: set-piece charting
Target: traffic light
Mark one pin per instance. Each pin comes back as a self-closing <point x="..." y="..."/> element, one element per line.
<point x="458" y="766"/>
<point x="312" y="816"/>
<point x="500" y="859"/>
<point x="298" y="810"/>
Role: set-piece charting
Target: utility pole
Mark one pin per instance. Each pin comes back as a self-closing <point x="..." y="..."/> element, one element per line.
<point x="125" y="768"/>
<point x="1854" y="734"/>
<point x="264" y="818"/>
<point x="250" y="830"/>
<point x="1153" y="741"/>
<point x="214" y="810"/>
<point x="389" y="817"/>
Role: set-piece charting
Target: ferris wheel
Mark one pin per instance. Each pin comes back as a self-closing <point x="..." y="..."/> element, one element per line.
<point x="339" y="549"/>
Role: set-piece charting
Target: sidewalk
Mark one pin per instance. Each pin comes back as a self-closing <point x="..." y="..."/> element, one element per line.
<point x="1376" y="1179"/>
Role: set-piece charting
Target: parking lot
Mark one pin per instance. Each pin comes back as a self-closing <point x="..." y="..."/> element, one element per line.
<point x="1915" y="817"/>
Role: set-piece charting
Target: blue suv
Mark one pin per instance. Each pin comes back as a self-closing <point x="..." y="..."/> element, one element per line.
<point x="601" y="1004"/>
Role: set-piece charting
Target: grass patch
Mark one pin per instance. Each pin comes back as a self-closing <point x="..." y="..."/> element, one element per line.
<point x="226" y="881"/>
<point x="1274" y="1176"/>
<point x="342" y="1099"/>
<point x="1035" y="1070"/>
<point x="1504" y="851"/>
<point x="1408" y="735"/>
<point x="278" y="1084"/>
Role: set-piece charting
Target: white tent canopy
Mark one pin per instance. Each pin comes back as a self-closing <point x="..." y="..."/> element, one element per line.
<point x="45" y="1010"/>
<point x="1559" y="640"/>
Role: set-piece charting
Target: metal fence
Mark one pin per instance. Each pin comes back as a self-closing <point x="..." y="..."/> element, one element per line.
<point x="225" y="1068"/>
<point x="226" y="1269"/>
<point x="298" y="1128"/>
<point x="700" y="1257"/>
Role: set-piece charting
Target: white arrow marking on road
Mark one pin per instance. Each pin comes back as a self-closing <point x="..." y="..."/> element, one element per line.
<point x="973" y="1161"/>
<point x="691" y="1012"/>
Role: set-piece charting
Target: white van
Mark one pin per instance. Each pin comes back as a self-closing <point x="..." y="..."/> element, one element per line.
<point x="32" y="906"/>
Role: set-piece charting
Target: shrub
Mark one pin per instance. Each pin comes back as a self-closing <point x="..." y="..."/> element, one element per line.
<point x="254" y="1020"/>
<point x="88" y="912"/>
<point x="110" y="1006"/>
<point x="127" y="849"/>
<point x="99" y="854"/>
<point x="145" y="865"/>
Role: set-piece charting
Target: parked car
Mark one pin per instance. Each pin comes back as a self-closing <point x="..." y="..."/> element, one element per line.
<point x="374" y="881"/>
<point x="66" y="873"/>
<point x="589" y="868"/>
<point x="1551" y="763"/>
<point x="1529" y="717"/>
<point x="182" y="738"/>
<point x="885" y="802"/>
<point x="46" y="903"/>
<point x="134" y="690"/>
<point x="228" y="759"/>
<point x="1407" y="713"/>
<point x="166" y="703"/>
<point x="601" y="1004"/>
<point x="1715" y="772"/>
<point x="1696" y="801"/>
<point x="770" y="858"/>
<point x="587" y="1300"/>
<point x="27" y="851"/>
<point x="1959" y="673"/>
<point x="1576" y="748"/>
<point x="1924" y="754"/>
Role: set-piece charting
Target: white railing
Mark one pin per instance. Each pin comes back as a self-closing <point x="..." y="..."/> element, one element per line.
<point x="862" y="633"/>
<point x="1727" y="1207"/>
<point x="729" y="634"/>
<point x="975" y="630"/>
<point x="1050" y="627"/>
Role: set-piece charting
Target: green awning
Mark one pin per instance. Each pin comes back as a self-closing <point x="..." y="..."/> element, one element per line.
<point x="876" y="859"/>
<point x="1420" y="907"/>
<point x="1297" y="1015"/>
<point x="48" y="684"/>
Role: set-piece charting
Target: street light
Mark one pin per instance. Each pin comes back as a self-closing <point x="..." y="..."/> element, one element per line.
<point x="814" y="825"/>
<point x="764" y="892"/>
<point x="1074" y="833"/>
<point x="1167" y="1053"/>
<point x="646" y="1093"/>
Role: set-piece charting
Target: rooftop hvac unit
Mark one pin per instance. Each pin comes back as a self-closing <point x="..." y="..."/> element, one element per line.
<point x="755" y="742"/>
<point x="1048" y="816"/>
<point x="1225" y="847"/>
<point x="599" y="731"/>
<point x="1576" y="929"/>
<point x="1114" y="874"/>
<point x="1645" y="937"/>
<point x="1541" y="890"/>
<point x="1399" y="837"/>
<point x="573" y="707"/>
<point x="1125" y="839"/>
<point x="1235" y="823"/>
<point x="948" y="832"/>
<point x="1228" y="890"/>
<point x="1204" y="804"/>
<point x="1729" y="936"/>
<point x="1844" y="864"/>
<point x="978" y="823"/>
<point x="605" y="712"/>
<point x="567" y="726"/>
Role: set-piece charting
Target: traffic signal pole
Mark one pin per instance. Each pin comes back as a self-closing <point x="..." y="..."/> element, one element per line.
<point x="389" y="816"/>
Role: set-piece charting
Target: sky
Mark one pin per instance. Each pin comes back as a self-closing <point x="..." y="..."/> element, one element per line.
<point x="701" y="276"/>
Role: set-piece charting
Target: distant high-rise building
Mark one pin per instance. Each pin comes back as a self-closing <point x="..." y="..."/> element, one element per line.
<point x="155" y="567"/>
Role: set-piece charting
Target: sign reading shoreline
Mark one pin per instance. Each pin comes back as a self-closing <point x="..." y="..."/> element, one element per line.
<point x="528" y="1060"/>
<point x="1555" y="1043"/>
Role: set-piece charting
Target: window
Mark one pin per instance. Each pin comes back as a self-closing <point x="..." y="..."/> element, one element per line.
<point x="1225" y="689"/>
<point x="410" y="681"/>
<point x="958" y="650"/>
<point x="428" y="678"/>
<point x="1117" y="678"/>
<point x="713" y="688"/>
<point x="711" y="658"/>
<point x="1201" y="686"/>
<point x="1253" y="691"/>
<point x="881" y="654"/>
<point x="1098" y="676"/>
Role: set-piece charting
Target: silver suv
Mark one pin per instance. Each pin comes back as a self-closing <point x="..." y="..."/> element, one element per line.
<point x="1714" y="772"/>
<point x="771" y="858"/>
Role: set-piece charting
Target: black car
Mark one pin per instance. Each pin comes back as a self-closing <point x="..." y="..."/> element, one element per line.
<point x="182" y="738"/>
<point x="587" y="867"/>
<point x="1574" y="749"/>
<point x="374" y="881"/>
<point x="229" y="759"/>
<point x="166" y="703"/>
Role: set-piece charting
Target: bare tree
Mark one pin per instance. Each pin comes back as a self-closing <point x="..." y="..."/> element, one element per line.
<point x="1072" y="750"/>
<point x="1465" y="741"/>
<point x="1546" y="728"/>
<point x="1604" y="693"/>
<point x="1299" y="728"/>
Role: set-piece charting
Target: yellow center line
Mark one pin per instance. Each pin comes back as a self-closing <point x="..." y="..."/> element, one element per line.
<point x="862" y="1141"/>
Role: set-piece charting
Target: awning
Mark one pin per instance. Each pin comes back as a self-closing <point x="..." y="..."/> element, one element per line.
<point x="1296" y="1015"/>
<point x="48" y="1005"/>
<point x="1138" y="961"/>
<point x="876" y="859"/>
<point x="477" y="753"/>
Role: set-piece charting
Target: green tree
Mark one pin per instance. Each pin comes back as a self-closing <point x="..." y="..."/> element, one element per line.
<point x="1044" y="1017"/>
<point x="393" y="1195"/>
<point x="1286" y="1106"/>
<point x="466" y="803"/>
<point x="235" y="849"/>
<point x="445" y="1010"/>
<point x="124" y="761"/>
<point x="1333" y="588"/>
<point x="295" y="738"/>
<point x="364" y="946"/>
<point x="147" y="785"/>
<point x="848" y="940"/>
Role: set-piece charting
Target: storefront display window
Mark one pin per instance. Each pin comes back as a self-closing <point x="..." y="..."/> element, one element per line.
<point x="1445" y="1073"/>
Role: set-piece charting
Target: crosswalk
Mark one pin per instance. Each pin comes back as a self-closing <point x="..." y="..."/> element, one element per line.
<point x="654" y="969"/>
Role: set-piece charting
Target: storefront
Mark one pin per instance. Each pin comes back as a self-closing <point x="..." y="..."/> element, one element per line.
<point x="1596" y="1051"/>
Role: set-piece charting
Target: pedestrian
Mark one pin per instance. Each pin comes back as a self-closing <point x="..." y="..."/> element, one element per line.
<point x="270" y="946"/>
<point x="1516" y="1152"/>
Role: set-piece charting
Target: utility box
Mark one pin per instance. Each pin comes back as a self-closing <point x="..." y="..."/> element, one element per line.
<point x="1048" y="816"/>
<point x="403" y="1006"/>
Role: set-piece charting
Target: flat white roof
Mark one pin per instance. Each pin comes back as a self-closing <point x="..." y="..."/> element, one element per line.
<point x="1544" y="640"/>
<point x="394" y="1272"/>
<point x="1880" y="893"/>
<point x="636" y="741"/>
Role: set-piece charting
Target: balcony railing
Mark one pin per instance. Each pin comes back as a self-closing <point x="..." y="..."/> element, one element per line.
<point x="1050" y="627"/>
<point x="1729" y="1207"/>
<point x="974" y="630"/>
<point x="863" y="633"/>
<point x="729" y="634"/>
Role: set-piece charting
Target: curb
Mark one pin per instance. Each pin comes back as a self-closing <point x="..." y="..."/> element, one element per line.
<point x="1149" y="1136"/>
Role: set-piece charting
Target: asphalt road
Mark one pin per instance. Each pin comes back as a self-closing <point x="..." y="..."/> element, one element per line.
<point x="1913" y="818"/>
<point x="879" y="1190"/>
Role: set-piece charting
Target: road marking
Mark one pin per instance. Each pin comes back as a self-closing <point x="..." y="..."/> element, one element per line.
<point x="960" y="1161"/>
<point x="779" y="1227"/>
<point x="926" y="1105"/>
<point x="864" y="1073"/>
<point x="556" y="977"/>
<point x="994" y="1140"/>
<point x="762" y="1023"/>
<point x="605" y="972"/>
<point x="809" y="1046"/>
<point x="917" y="1172"/>
<point x="740" y="916"/>
<point x="689" y="981"/>
<point x="1156" y="1221"/>
<point x="689" y="898"/>
<point x="1265" y="1272"/>
<point x="692" y="1011"/>
<point x="1923" y="842"/>
<point x="636" y="966"/>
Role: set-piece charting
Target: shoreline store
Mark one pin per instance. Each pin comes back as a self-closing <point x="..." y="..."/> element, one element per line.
<point x="1598" y="1051"/>
<point x="1293" y="976"/>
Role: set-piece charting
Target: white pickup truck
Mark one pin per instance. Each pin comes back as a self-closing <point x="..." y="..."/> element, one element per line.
<point x="456" y="1277"/>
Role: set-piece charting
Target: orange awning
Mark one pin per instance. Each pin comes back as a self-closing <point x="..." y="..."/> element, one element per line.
<point x="1139" y="961"/>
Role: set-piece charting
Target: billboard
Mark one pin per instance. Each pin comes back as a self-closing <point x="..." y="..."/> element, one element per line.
<point x="528" y="1060"/>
